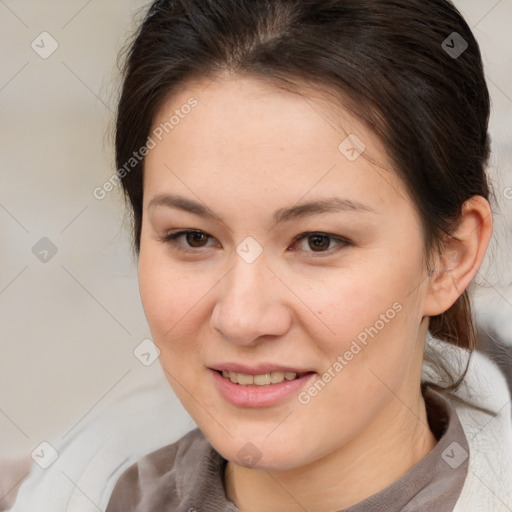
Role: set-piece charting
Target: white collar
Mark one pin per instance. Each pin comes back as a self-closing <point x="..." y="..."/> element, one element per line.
<point x="488" y="486"/>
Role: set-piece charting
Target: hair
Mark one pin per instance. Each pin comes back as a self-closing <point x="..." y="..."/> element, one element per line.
<point x="386" y="61"/>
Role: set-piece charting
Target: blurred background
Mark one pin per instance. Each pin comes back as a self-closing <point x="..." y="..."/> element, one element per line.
<point x="72" y="328"/>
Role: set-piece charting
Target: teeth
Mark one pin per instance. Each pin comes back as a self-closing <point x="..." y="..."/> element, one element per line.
<point x="264" y="379"/>
<point x="245" y="380"/>
<point x="276" y="377"/>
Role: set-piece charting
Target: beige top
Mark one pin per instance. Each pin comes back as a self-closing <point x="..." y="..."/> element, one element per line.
<point x="188" y="475"/>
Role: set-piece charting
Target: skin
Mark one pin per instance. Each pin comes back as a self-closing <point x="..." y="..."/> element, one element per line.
<point x="246" y="150"/>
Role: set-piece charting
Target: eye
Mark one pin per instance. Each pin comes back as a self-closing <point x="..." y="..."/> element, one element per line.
<point x="195" y="239"/>
<point x="319" y="242"/>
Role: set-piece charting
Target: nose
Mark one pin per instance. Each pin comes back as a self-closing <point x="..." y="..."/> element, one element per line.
<point x="251" y="304"/>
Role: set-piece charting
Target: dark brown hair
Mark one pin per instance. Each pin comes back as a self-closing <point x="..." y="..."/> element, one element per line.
<point x="392" y="63"/>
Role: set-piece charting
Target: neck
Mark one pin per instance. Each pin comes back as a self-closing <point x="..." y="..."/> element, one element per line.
<point x="377" y="458"/>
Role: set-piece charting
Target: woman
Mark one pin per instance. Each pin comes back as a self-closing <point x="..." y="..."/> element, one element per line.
<point x="310" y="205"/>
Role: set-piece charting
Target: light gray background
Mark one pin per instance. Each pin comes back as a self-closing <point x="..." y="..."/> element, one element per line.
<point x="69" y="326"/>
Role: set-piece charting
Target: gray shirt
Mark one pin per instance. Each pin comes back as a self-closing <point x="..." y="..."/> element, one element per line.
<point x="188" y="475"/>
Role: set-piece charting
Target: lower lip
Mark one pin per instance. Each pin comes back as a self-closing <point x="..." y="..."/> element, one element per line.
<point x="258" y="396"/>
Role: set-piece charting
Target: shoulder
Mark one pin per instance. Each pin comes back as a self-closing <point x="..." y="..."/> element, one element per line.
<point x="489" y="433"/>
<point x="95" y="452"/>
<point x="162" y="461"/>
<point x="483" y="405"/>
<point x="484" y="385"/>
<point x="158" y="474"/>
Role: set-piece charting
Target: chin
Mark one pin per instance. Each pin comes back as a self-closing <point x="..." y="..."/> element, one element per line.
<point x="258" y="450"/>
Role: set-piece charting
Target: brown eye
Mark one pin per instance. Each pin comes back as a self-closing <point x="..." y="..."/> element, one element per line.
<point x="321" y="242"/>
<point x="194" y="239"/>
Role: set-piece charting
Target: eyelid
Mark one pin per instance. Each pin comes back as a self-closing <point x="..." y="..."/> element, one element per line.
<point x="170" y="238"/>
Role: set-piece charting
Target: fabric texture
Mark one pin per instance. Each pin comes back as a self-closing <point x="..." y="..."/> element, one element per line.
<point x="189" y="475"/>
<point x="93" y="457"/>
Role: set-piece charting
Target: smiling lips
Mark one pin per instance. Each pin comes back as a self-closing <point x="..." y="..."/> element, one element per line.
<point x="260" y="386"/>
<point x="262" y="379"/>
<point x="265" y="374"/>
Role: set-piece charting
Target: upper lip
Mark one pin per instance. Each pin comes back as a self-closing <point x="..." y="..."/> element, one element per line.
<point x="258" y="369"/>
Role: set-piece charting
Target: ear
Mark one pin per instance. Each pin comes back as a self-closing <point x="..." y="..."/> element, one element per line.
<point x="461" y="257"/>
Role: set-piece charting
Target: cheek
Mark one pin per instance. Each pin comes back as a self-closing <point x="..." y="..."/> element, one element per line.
<point x="165" y="293"/>
<point x="373" y="319"/>
<point x="173" y="299"/>
<point x="352" y="304"/>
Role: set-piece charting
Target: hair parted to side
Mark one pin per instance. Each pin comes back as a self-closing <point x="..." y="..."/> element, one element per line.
<point x="383" y="60"/>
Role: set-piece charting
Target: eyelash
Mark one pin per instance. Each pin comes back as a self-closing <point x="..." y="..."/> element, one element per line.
<point x="170" y="238"/>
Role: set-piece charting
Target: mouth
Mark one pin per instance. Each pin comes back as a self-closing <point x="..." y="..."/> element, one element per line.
<point x="265" y="386"/>
<point x="261" y="379"/>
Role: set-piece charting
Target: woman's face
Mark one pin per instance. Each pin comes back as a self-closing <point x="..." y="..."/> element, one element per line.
<point x="249" y="167"/>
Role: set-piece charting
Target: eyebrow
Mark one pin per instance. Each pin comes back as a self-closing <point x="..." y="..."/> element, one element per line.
<point x="298" y="211"/>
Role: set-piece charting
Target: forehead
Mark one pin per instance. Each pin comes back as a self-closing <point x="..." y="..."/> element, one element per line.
<point x="245" y="136"/>
<point x="252" y="111"/>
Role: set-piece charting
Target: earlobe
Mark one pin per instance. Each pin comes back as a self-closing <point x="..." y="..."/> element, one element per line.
<point x="461" y="257"/>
